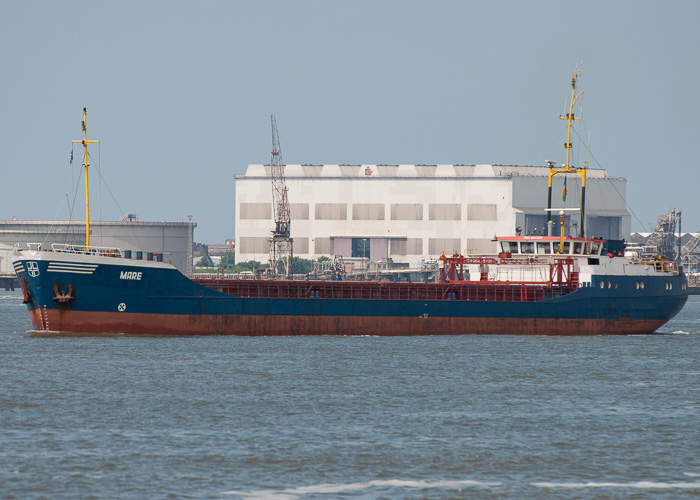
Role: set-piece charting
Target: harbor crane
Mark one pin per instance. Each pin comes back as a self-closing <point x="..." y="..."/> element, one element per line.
<point x="663" y="238"/>
<point x="281" y="244"/>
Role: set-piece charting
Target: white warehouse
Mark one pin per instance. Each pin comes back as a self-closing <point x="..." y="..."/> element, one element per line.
<point x="414" y="212"/>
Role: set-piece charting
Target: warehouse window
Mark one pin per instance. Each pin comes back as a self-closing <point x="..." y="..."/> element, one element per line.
<point x="414" y="246"/>
<point x="478" y="245"/>
<point x="299" y="211"/>
<point x="398" y="247"/>
<point x="409" y="246"/>
<point x="301" y="245"/>
<point x="322" y="246"/>
<point x="407" y="211"/>
<point x="436" y="246"/>
<point x="368" y="211"/>
<point x="331" y="211"/>
<point x="255" y="210"/>
<point x="477" y="211"/>
<point x="254" y="244"/>
<point x="440" y="211"/>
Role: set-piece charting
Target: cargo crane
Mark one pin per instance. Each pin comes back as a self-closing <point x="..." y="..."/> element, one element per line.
<point x="689" y="258"/>
<point x="663" y="238"/>
<point x="281" y="244"/>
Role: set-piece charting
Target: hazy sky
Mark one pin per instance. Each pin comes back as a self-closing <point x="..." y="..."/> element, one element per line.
<point x="180" y="96"/>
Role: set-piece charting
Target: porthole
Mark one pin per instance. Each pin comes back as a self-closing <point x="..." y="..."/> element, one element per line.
<point x="670" y="286"/>
<point x="636" y="285"/>
<point x="602" y="284"/>
<point x="609" y="285"/>
<point x="614" y="284"/>
<point x="641" y="285"/>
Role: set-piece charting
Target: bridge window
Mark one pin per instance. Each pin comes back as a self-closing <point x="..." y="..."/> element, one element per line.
<point x="566" y="248"/>
<point x="544" y="247"/>
<point x="578" y="248"/>
<point x="509" y="246"/>
<point x="527" y="247"/>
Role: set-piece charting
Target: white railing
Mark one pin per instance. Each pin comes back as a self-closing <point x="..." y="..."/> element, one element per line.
<point x="165" y="257"/>
<point x="85" y="250"/>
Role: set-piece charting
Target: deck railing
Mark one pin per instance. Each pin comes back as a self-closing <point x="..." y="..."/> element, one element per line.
<point x="69" y="248"/>
<point x="85" y="250"/>
<point x="497" y="292"/>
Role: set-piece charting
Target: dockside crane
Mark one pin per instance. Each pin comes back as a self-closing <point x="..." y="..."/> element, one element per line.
<point x="281" y="244"/>
<point x="664" y="236"/>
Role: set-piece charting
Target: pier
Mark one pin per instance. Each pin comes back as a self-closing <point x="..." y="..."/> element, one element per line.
<point x="9" y="281"/>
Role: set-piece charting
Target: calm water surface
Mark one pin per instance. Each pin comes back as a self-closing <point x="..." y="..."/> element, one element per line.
<point x="352" y="417"/>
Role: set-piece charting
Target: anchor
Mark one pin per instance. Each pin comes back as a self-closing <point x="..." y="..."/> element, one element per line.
<point x="63" y="298"/>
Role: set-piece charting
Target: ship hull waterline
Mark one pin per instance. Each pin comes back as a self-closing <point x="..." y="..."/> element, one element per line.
<point x="58" y="321"/>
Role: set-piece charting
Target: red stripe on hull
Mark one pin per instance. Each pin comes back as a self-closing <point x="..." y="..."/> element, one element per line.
<point x="174" y="324"/>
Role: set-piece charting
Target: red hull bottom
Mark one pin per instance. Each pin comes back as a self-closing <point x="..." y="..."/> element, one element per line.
<point x="173" y="324"/>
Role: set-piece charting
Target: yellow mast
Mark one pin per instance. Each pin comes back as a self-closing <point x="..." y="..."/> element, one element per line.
<point x="85" y="143"/>
<point x="568" y="167"/>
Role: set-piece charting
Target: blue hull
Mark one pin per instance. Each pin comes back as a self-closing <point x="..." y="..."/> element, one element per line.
<point x="115" y="298"/>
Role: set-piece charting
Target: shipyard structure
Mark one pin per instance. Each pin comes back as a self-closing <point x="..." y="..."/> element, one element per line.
<point x="409" y="214"/>
<point x="173" y="240"/>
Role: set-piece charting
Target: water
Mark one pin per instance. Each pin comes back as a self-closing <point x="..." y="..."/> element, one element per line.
<point x="355" y="417"/>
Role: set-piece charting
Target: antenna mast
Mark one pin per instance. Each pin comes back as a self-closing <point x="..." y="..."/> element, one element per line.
<point x="568" y="168"/>
<point x="85" y="143"/>
<point x="281" y="244"/>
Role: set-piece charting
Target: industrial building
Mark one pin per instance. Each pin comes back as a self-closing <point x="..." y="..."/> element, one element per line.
<point x="411" y="213"/>
<point x="173" y="239"/>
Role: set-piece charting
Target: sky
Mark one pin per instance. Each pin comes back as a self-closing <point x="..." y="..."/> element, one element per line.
<point x="180" y="96"/>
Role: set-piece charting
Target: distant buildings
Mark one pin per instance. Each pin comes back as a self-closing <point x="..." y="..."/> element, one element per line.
<point x="413" y="212"/>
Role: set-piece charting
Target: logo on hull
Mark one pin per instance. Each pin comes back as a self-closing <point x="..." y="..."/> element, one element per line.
<point x="33" y="269"/>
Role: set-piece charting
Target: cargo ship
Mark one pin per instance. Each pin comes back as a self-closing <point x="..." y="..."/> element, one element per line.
<point x="538" y="285"/>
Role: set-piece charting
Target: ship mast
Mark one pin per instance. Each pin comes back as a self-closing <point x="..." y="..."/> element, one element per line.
<point x="85" y="143"/>
<point x="568" y="168"/>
